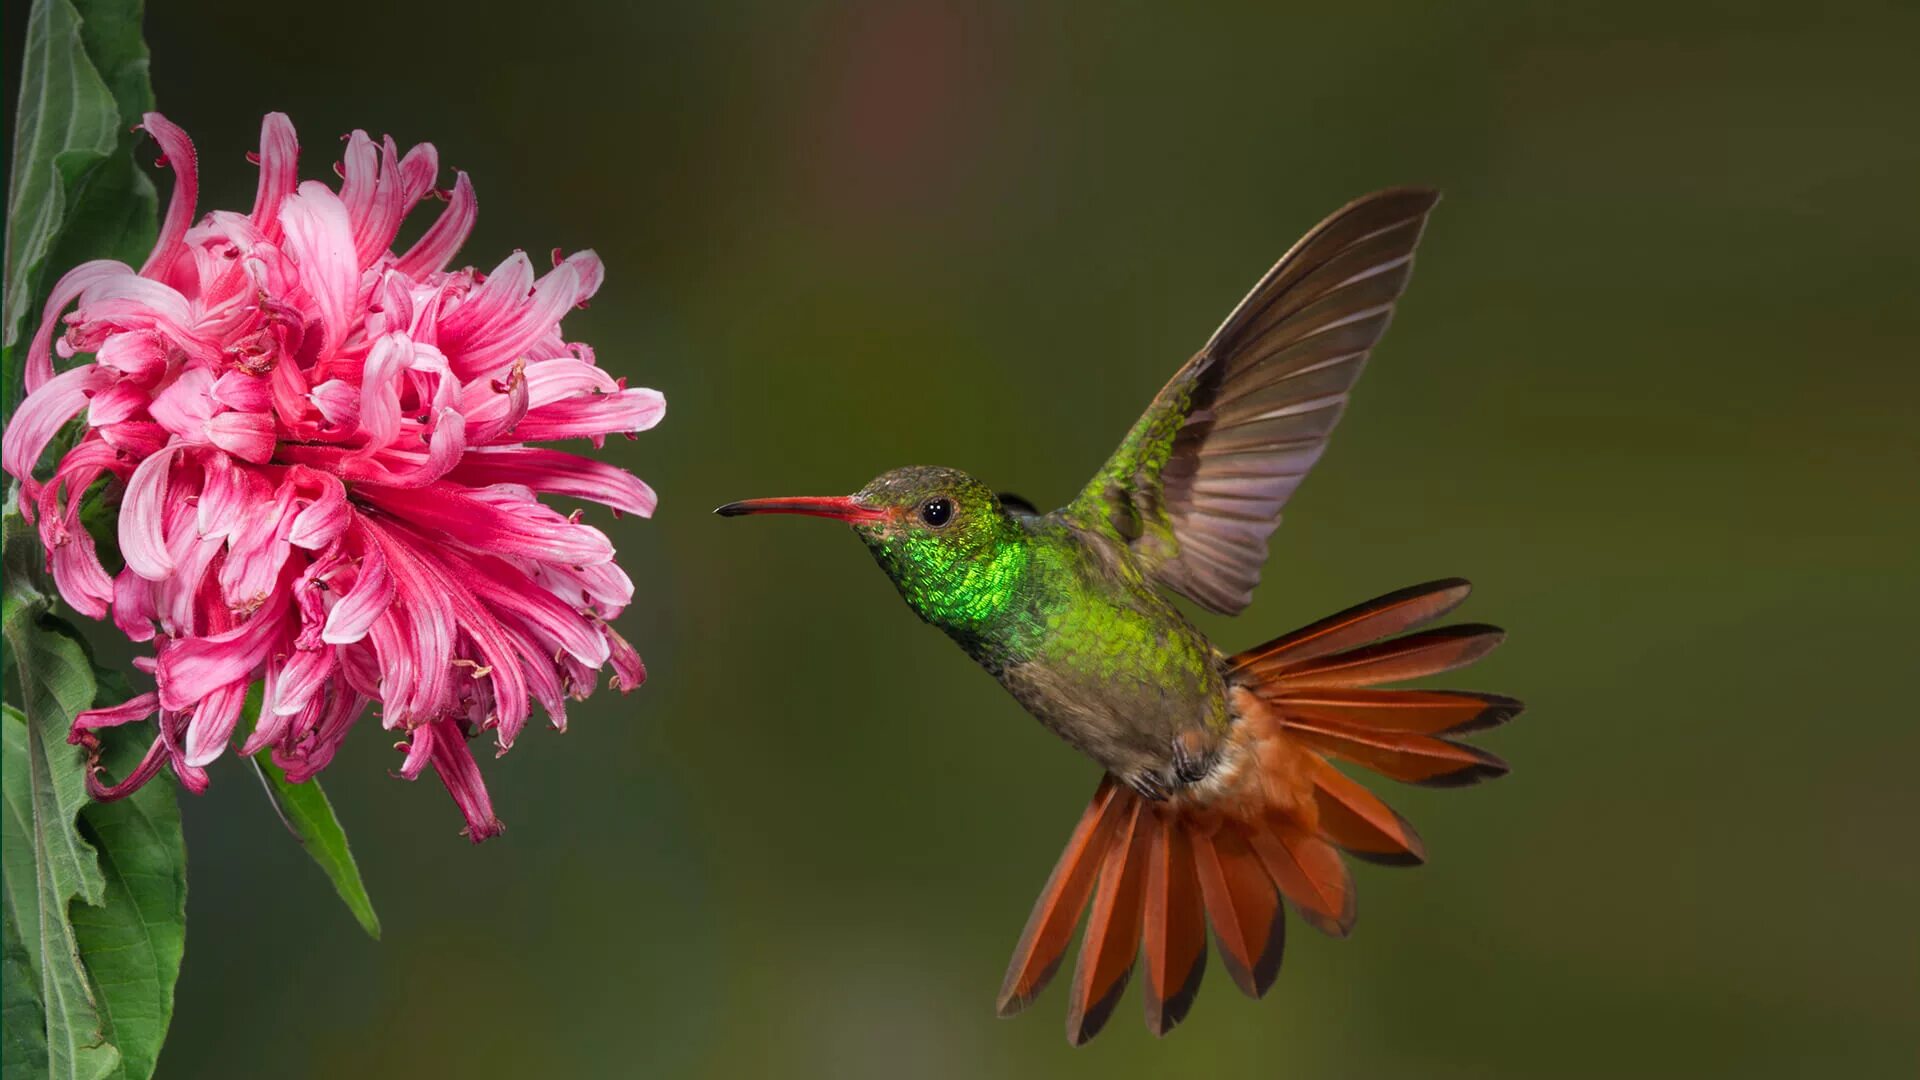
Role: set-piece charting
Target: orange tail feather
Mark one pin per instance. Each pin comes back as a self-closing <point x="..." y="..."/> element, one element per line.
<point x="1273" y="818"/>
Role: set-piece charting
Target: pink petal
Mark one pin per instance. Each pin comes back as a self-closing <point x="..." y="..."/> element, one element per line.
<point x="140" y="355"/>
<point x="371" y="595"/>
<point x="132" y="710"/>
<point x="72" y="284"/>
<point x="123" y="400"/>
<point x="455" y="764"/>
<point x="326" y="517"/>
<point x="143" y="512"/>
<point x="243" y="391"/>
<point x="213" y="723"/>
<point x="558" y="473"/>
<point x="279" y="171"/>
<point x="198" y="666"/>
<point x="43" y="414"/>
<point x="526" y="528"/>
<point x="320" y="238"/>
<point x="295" y="682"/>
<point x="437" y="247"/>
<point x="249" y="436"/>
<point x="133" y="610"/>
<point x="184" y="406"/>
<point x="593" y="416"/>
<point x="181" y="157"/>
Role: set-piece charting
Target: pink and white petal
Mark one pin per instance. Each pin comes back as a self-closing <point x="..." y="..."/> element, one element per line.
<point x="594" y="416"/>
<point x="279" y="171"/>
<point x="338" y="402"/>
<point x="130" y="711"/>
<point x="248" y="436"/>
<point x="243" y="391"/>
<point x="257" y="551"/>
<point x="139" y="355"/>
<point x="124" y="400"/>
<point x="133" y="609"/>
<point x="556" y="472"/>
<point x="457" y="769"/>
<point x="371" y="595"/>
<point x="323" y="519"/>
<point x="319" y="237"/>
<point x="178" y="153"/>
<point x="185" y="405"/>
<point x="213" y="723"/>
<point x="628" y="671"/>
<point x="507" y="526"/>
<point x="71" y="286"/>
<point x="84" y="583"/>
<point x="294" y="683"/>
<point x="197" y="666"/>
<point x="442" y="240"/>
<point x="42" y="415"/>
<point x="143" y="510"/>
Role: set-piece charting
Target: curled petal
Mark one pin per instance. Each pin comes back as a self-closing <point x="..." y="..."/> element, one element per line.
<point x="559" y="473"/>
<point x="248" y="436"/>
<point x="198" y="666"/>
<point x="213" y="723"/>
<point x="143" y="512"/>
<point x="323" y="519"/>
<point x="593" y="416"/>
<point x="279" y="171"/>
<point x="71" y="286"/>
<point x="132" y="710"/>
<point x="320" y="239"/>
<point x="457" y="769"/>
<point x="525" y="529"/>
<point x="180" y="155"/>
<point x="140" y="355"/>
<point x="437" y="247"/>
<point x="371" y="595"/>
<point x="123" y="400"/>
<point x="43" y="414"/>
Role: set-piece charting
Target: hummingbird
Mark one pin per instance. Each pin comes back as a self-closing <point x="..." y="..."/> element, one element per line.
<point x="1220" y="796"/>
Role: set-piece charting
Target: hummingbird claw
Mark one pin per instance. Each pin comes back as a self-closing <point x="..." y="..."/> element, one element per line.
<point x="1190" y="767"/>
<point x="1149" y="786"/>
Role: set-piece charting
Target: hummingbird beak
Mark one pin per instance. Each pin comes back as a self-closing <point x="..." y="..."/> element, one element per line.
<point x="840" y="508"/>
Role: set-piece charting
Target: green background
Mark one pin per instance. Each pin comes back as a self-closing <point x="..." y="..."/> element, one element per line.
<point x="1654" y="388"/>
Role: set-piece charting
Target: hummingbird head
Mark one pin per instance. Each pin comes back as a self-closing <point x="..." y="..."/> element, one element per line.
<point x="955" y="553"/>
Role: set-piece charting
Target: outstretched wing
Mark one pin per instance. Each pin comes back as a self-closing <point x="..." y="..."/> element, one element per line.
<point x="1196" y="488"/>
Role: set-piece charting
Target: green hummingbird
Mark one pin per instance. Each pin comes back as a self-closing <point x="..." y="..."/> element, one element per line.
<point x="1219" y="797"/>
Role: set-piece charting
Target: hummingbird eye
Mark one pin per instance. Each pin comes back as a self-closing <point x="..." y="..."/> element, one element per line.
<point x="937" y="512"/>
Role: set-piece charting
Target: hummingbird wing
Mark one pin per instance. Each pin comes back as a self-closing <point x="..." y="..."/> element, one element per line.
<point x="1197" y="486"/>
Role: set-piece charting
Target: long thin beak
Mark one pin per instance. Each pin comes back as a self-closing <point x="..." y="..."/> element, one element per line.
<point x="840" y="508"/>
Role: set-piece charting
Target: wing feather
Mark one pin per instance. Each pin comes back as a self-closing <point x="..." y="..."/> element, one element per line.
<point x="1198" y="486"/>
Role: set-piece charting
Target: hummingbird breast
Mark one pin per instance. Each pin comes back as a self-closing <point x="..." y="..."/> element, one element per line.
<point x="1106" y="662"/>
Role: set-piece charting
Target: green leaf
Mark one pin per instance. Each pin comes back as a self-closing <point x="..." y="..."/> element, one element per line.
<point x="47" y="862"/>
<point x="309" y="816"/>
<point x="305" y="811"/>
<point x="88" y="985"/>
<point x="132" y="945"/>
<point x="75" y="192"/>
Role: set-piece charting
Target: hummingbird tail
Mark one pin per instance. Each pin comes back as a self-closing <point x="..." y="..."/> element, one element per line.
<point x="1273" y="821"/>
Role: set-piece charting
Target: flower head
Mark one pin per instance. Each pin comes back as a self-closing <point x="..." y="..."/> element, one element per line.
<point x="328" y="486"/>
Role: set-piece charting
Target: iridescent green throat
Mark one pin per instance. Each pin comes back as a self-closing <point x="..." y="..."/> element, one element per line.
<point x="971" y="581"/>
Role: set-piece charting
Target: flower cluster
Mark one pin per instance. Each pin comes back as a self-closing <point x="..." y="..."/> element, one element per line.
<point x="327" y="486"/>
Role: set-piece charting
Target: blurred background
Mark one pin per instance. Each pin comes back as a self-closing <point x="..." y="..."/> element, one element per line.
<point x="1654" y="389"/>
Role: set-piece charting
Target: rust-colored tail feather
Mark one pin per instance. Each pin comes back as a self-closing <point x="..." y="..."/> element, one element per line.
<point x="1274" y="822"/>
<point x="1057" y="912"/>
<point x="1113" y="929"/>
<point x="1176" y="925"/>
<point x="1248" y="923"/>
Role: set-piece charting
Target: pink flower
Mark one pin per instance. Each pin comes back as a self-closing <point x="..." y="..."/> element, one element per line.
<point x="327" y="486"/>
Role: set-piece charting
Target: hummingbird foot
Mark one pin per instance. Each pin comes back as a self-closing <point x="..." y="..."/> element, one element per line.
<point x="1149" y="786"/>
<point x="1190" y="764"/>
